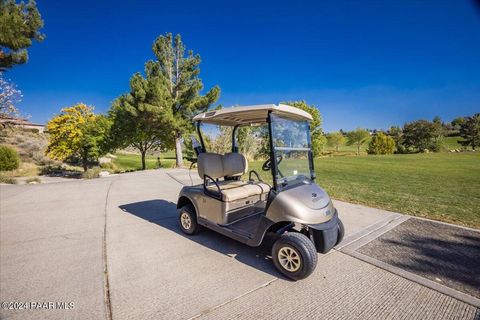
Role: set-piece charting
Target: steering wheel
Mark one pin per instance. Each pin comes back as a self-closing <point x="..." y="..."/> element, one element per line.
<point x="268" y="164"/>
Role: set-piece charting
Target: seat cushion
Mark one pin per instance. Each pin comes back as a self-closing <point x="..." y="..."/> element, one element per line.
<point x="235" y="190"/>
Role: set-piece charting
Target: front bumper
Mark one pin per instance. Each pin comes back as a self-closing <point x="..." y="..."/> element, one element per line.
<point x="326" y="235"/>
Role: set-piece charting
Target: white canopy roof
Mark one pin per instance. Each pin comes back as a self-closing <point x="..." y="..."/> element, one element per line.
<point x="250" y="114"/>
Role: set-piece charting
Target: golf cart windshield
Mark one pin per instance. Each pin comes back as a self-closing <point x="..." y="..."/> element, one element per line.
<point x="291" y="149"/>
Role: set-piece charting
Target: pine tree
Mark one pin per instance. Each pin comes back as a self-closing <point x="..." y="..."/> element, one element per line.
<point x="141" y="117"/>
<point x="19" y="25"/>
<point x="470" y="131"/>
<point x="180" y="72"/>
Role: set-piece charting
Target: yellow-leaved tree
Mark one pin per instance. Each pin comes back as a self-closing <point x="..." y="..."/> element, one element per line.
<point x="78" y="136"/>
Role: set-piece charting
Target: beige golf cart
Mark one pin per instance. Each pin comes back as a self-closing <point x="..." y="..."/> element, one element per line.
<point x="293" y="207"/>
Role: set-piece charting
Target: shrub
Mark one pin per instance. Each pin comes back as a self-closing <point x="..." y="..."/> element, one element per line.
<point x="381" y="144"/>
<point x="91" y="173"/>
<point x="422" y="135"/>
<point x="5" y="179"/>
<point x="8" y="159"/>
<point x="33" y="180"/>
<point x="59" y="171"/>
<point x="110" y="167"/>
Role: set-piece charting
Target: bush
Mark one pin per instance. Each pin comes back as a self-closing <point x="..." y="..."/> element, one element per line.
<point x="5" y="179"/>
<point x="110" y="167"/>
<point x="422" y="135"/>
<point x="9" y="159"/>
<point x="381" y="144"/>
<point x="59" y="171"/>
<point x="33" y="180"/>
<point x="91" y="173"/>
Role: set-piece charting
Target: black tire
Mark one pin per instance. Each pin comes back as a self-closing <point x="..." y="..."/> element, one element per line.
<point x="302" y="247"/>
<point x="187" y="219"/>
<point x="341" y="232"/>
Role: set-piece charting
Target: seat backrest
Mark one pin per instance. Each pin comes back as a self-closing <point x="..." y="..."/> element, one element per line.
<point x="234" y="164"/>
<point x="216" y="165"/>
<point x="210" y="164"/>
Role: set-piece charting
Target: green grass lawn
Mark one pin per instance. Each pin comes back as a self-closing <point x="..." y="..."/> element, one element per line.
<point x="448" y="143"/>
<point x="451" y="143"/>
<point x="440" y="186"/>
<point x="131" y="161"/>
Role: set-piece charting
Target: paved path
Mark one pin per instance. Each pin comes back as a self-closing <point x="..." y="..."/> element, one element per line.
<point x="57" y="239"/>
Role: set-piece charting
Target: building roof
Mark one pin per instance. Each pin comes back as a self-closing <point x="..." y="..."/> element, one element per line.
<point x="19" y="122"/>
<point x="247" y="115"/>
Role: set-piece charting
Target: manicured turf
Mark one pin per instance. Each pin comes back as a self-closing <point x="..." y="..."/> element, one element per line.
<point x="134" y="162"/>
<point x="448" y="143"/>
<point x="451" y="143"/>
<point x="440" y="186"/>
<point x="131" y="161"/>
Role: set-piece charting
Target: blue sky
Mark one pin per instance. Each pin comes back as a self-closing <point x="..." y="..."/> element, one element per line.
<point x="362" y="63"/>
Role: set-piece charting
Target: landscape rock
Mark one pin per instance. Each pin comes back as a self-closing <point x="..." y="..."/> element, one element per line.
<point x="103" y="174"/>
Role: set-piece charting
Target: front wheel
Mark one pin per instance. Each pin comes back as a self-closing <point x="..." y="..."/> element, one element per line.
<point x="294" y="255"/>
<point x="188" y="219"/>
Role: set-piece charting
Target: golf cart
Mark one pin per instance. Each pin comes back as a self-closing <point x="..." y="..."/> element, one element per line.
<point x="294" y="209"/>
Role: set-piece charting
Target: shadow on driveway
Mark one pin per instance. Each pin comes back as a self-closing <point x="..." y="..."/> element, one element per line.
<point x="443" y="253"/>
<point x="164" y="214"/>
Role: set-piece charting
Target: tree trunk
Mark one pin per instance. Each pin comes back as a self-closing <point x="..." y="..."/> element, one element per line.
<point x="358" y="149"/>
<point x="178" y="151"/>
<point x="143" y="159"/>
<point x="84" y="162"/>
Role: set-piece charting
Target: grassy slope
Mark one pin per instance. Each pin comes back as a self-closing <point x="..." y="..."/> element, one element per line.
<point x="441" y="186"/>
<point x="448" y="143"/>
<point x="451" y="143"/>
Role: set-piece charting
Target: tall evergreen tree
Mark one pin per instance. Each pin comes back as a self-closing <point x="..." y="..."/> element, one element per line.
<point x="140" y="117"/>
<point x="180" y="71"/>
<point x="470" y="131"/>
<point x="19" y="25"/>
<point x="422" y="135"/>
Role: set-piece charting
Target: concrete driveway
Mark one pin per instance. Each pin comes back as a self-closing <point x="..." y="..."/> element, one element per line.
<point x="111" y="249"/>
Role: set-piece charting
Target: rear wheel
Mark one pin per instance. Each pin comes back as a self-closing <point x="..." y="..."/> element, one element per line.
<point x="294" y="255"/>
<point x="188" y="219"/>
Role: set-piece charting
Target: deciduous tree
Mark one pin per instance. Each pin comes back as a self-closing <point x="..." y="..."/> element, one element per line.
<point x="19" y="25"/>
<point x="381" y="144"/>
<point x="78" y="136"/>
<point x="358" y="137"/>
<point x="336" y="139"/>
<point x="397" y="135"/>
<point x="317" y="136"/>
<point x="10" y="96"/>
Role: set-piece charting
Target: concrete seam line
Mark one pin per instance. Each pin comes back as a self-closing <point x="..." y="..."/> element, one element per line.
<point x="106" y="284"/>
<point x="375" y="234"/>
<point x="233" y="299"/>
<point x="447" y="224"/>
<point x="368" y="230"/>
<point x="415" y="278"/>
<point x="168" y="174"/>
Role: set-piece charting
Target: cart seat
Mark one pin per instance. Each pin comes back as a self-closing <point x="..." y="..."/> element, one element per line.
<point x="236" y="190"/>
<point x="229" y="165"/>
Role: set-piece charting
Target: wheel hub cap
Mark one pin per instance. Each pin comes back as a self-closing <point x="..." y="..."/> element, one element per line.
<point x="289" y="259"/>
<point x="185" y="220"/>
